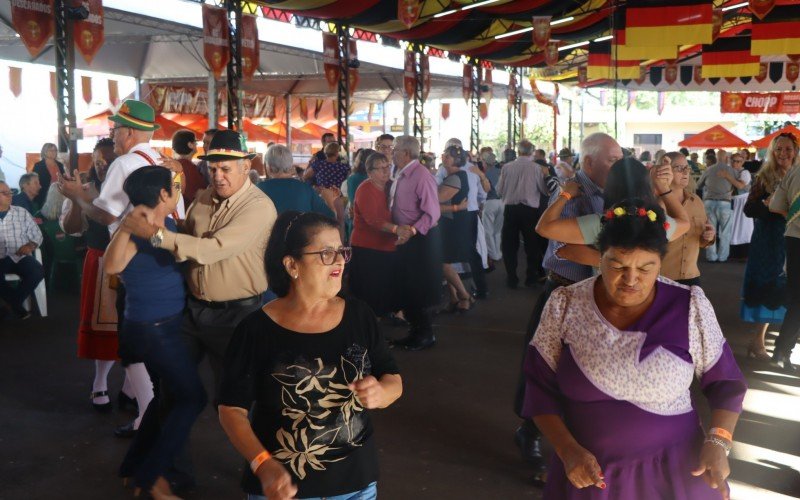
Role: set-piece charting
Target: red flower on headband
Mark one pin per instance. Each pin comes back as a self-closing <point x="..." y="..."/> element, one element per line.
<point x="641" y="212"/>
<point x="666" y="226"/>
<point x="609" y="214"/>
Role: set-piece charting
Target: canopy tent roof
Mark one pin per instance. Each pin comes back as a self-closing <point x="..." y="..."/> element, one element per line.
<point x="764" y="142"/>
<point x="715" y="137"/>
<point x="97" y="126"/>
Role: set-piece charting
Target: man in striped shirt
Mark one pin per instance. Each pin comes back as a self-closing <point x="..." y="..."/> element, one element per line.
<point x="19" y="238"/>
<point x="598" y="152"/>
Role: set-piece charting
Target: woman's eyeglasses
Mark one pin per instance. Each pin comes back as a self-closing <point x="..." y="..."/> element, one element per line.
<point x="329" y="255"/>
<point x="680" y="168"/>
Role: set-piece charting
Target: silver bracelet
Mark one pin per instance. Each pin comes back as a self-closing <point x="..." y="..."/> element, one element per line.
<point x="719" y="442"/>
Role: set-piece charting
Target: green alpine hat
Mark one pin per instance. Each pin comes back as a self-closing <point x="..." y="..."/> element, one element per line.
<point x="136" y="114"/>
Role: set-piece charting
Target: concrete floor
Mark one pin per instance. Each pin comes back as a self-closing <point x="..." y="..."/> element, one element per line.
<point x="450" y="436"/>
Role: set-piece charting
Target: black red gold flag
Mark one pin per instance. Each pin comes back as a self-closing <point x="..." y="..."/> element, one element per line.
<point x="657" y="22"/>
<point x="624" y="52"/>
<point x="603" y="67"/>
<point x="729" y="57"/>
<point x="778" y="33"/>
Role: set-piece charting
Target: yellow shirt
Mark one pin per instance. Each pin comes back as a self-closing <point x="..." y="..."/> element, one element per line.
<point x="680" y="263"/>
<point x="224" y="242"/>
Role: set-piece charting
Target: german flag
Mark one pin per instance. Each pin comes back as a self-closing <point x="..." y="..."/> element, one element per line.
<point x="668" y="22"/>
<point x="729" y="57"/>
<point x="624" y="52"/>
<point x="603" y="67"/>
<point x="778" y="33"/>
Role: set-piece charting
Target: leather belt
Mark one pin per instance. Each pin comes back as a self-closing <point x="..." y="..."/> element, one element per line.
<point x="558" y="279"/>
<point x="227" y="304"/>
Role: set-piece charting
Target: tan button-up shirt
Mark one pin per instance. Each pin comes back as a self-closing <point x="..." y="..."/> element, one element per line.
<point x="224" y="242"/>
<point x="680" y="263"/>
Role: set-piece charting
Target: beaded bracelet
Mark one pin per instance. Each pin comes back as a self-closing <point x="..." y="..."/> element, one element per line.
<point x="719" y="442"/>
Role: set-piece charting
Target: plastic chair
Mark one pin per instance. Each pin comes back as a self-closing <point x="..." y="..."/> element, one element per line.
<point x="40" y="293"/>
<point x="63" y="251"/>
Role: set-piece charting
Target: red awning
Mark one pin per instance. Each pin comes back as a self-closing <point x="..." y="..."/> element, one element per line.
<point x="715" y="137"/>
<point x="764" y="142"/>
<point x="98" y="126"/>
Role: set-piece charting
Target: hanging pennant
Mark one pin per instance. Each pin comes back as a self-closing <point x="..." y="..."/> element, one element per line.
<point x="318" y="107"/>
<point x="251" y="48"/>
<point x="631" y="98"/>
<point x="330" y="58"/>
<point x="409" y="74"/>
<point x="216" y="39"/>
<point x="685" y="74"/>
<point x="304" y="109"/>
<point x="33" y="22"/>
<point x="775" y="71"/>
<point x="642" y="75"/>
<point x="730" y="79"/>
<point x="89" y="33"/>
<point x="582" y="76"/>
<point x="15" y="81"/>
<point x="760" y="8"/>
<point x="466" y="82"/>
<point x="484" y="110"/>
<point x="655" y="75"/>
<point x="551" y="53"/>
<point x="425" y="67"/>
<point x="541" y="31"/>
<point x="512" y="90"/>
<point x="661" y="102"/>
<point x="698" y="75"/>
<point x="794" y="57"/>
<point x="352" y="73"/>
<point x="763" y="69"/>
<point x="445" y="110"/>
<point x="716" y="23"/>
<point x="53" y="88"/>
<point x="113" y="92"/>
<point x="671" y="72"/>
<point x="487" y="82"/>
<point x="408" y="11"/>
<point x="86" y="89"/>
<point x="792" y="70"/>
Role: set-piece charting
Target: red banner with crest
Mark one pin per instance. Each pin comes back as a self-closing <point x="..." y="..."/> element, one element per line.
<point x="512" y="90"/>
<point x="425" y="67"/>
<point x="671" y="72"/>
<point x="792" y="71"/>
<point x="409" y="74"/>
<point x="33" y="22"/>
<point x="15" y="81"/>
<point x="698" y="75"/>
<point x="355" y="78"/>
<point x="541" y="30"/>
<point x="251" y="48"/>
<point x="408" y="11"/>
<point x="216" y="39"/>
<point x="89" y="33"/>
<point x="466" y="82"/>
<point x="445" y="110"/>
<point x="330" y="58"/>
<point x="761" y="8"/>
<point x="113" y="92"/>
<point x="551" y="53"/>
<point x="760" y="102"/>
<point x="763" y="72"/>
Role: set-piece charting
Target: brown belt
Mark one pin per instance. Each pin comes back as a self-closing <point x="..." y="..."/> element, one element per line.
<point x="558" y="279"/>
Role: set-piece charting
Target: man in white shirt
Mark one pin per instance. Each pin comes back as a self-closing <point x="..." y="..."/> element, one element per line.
<point x="19" y="238"/>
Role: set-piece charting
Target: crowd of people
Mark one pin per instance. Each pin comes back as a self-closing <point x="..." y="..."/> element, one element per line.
<point x="282" y="284"/>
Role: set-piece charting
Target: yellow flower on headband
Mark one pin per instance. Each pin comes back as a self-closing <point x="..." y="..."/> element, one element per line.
<point x="652" y="216"/>
<point x="619" y="211"/>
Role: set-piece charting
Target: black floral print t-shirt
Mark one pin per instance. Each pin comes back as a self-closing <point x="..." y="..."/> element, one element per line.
<point x="302" y="410"/>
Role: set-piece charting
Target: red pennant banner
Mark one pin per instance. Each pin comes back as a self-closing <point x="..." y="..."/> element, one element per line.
<point x="15" y="81"/>
<point x="487" y="80"/>
<point x="541" y="31"/>
<point x="761" y="8"/>
<point x="33" y="21"/>
<point x="730" y="79"/>
<point x="90" y="33"/>
<point x="251" y="48"/>
<point x="763" y="71"/>
<point x="445" y="110"/>
<point x="792" y="70"/>
<point x="330" y="57"/>
<point x="698" y="75"/>
<point x="409" y="74"/>
<point x="642" y="75"/>
<point x="216" y="39"/>
<point x="113" y="92"/>
<point x="671" y="72"/>
<point x="512" y="90"/>
<point x="304" y="109"/>
<point x="755" y="102"/>
<point x="662" y="101"/>
<point x="425" y="67"/>
<point x="466" y="82"/>
<point x="484" y="110"/>
<point x="408" y="11"/>
<point x="353" y="75"/>
<point x="716" y="23"/>
<point x="794" y="57"/>
<point x="86" y="89"/>
<point x="551" y="53"/>
<point x="53" y="89"/>
<point x="318" y="107"/>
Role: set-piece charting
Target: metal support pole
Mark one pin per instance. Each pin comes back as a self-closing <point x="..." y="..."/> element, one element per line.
<point x="65" y="84"/>
<point x="212" y="101"/>
<point x="475" y="107"/>
<point x="289" y="121"/>
<point x="569" y="130"/>
<point x="419" y="100"/>
<point x="406" y="111"/>
<point x="555" y="129"/>
<point x="234" y="8"/>
<point x="343" y="89"/>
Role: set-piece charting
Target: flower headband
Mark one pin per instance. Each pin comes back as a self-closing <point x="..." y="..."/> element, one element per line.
<point x="633" y="211"/>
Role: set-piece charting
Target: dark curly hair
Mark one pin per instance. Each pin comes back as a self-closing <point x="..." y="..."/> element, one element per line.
<point x="291" y="233"/>
<point x="634" y="229"/>
<point x="628" y="179"/>
<point x="458" y="154"/>
<point x="105" y="142"/>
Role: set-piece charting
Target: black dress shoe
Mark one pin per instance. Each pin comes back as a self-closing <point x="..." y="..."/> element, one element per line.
<point x="101" y="408"/>
<point x="125" y="402"/>
<point x="420" y="343"/>
<point x="529" y="443"/>
<point x="125" y="431"/>
<point x="783" y="361"/>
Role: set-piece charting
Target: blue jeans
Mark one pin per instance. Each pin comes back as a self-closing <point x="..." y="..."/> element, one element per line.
<point x="30" y="273"/>
<point x="368" y="493"/>
<point x="720" y="216"/>
<point x="160" y="346"/>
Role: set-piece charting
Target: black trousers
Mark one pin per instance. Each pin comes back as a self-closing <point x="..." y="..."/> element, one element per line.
<point x="419" y="280"/>
<point x="521" y="219"/>
<point x="475" y="261"/>
<point x="690" y="281"/>
<point x="790" y="330"/>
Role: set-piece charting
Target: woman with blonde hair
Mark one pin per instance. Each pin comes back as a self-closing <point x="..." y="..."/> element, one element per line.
<point x="48" y="169"/>
<point x="764" y="287"/>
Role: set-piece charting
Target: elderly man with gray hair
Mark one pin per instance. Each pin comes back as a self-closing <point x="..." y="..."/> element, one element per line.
<point x="286" y="191"/>
<point x="414" y="203"/>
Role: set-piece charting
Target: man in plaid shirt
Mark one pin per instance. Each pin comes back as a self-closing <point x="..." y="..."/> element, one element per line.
<point x="19" y="238"/>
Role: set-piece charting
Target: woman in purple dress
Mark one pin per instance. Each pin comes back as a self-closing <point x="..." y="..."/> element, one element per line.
<point x="609" y="369"/>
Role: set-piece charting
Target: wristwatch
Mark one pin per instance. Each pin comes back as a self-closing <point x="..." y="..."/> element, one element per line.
<point x="157" y="238"/>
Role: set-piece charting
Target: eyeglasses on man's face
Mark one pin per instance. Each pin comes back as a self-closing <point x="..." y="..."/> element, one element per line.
<point x="114" y="129"/>
<point x="5" y="193"/>
<point x="329" y="255"/>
